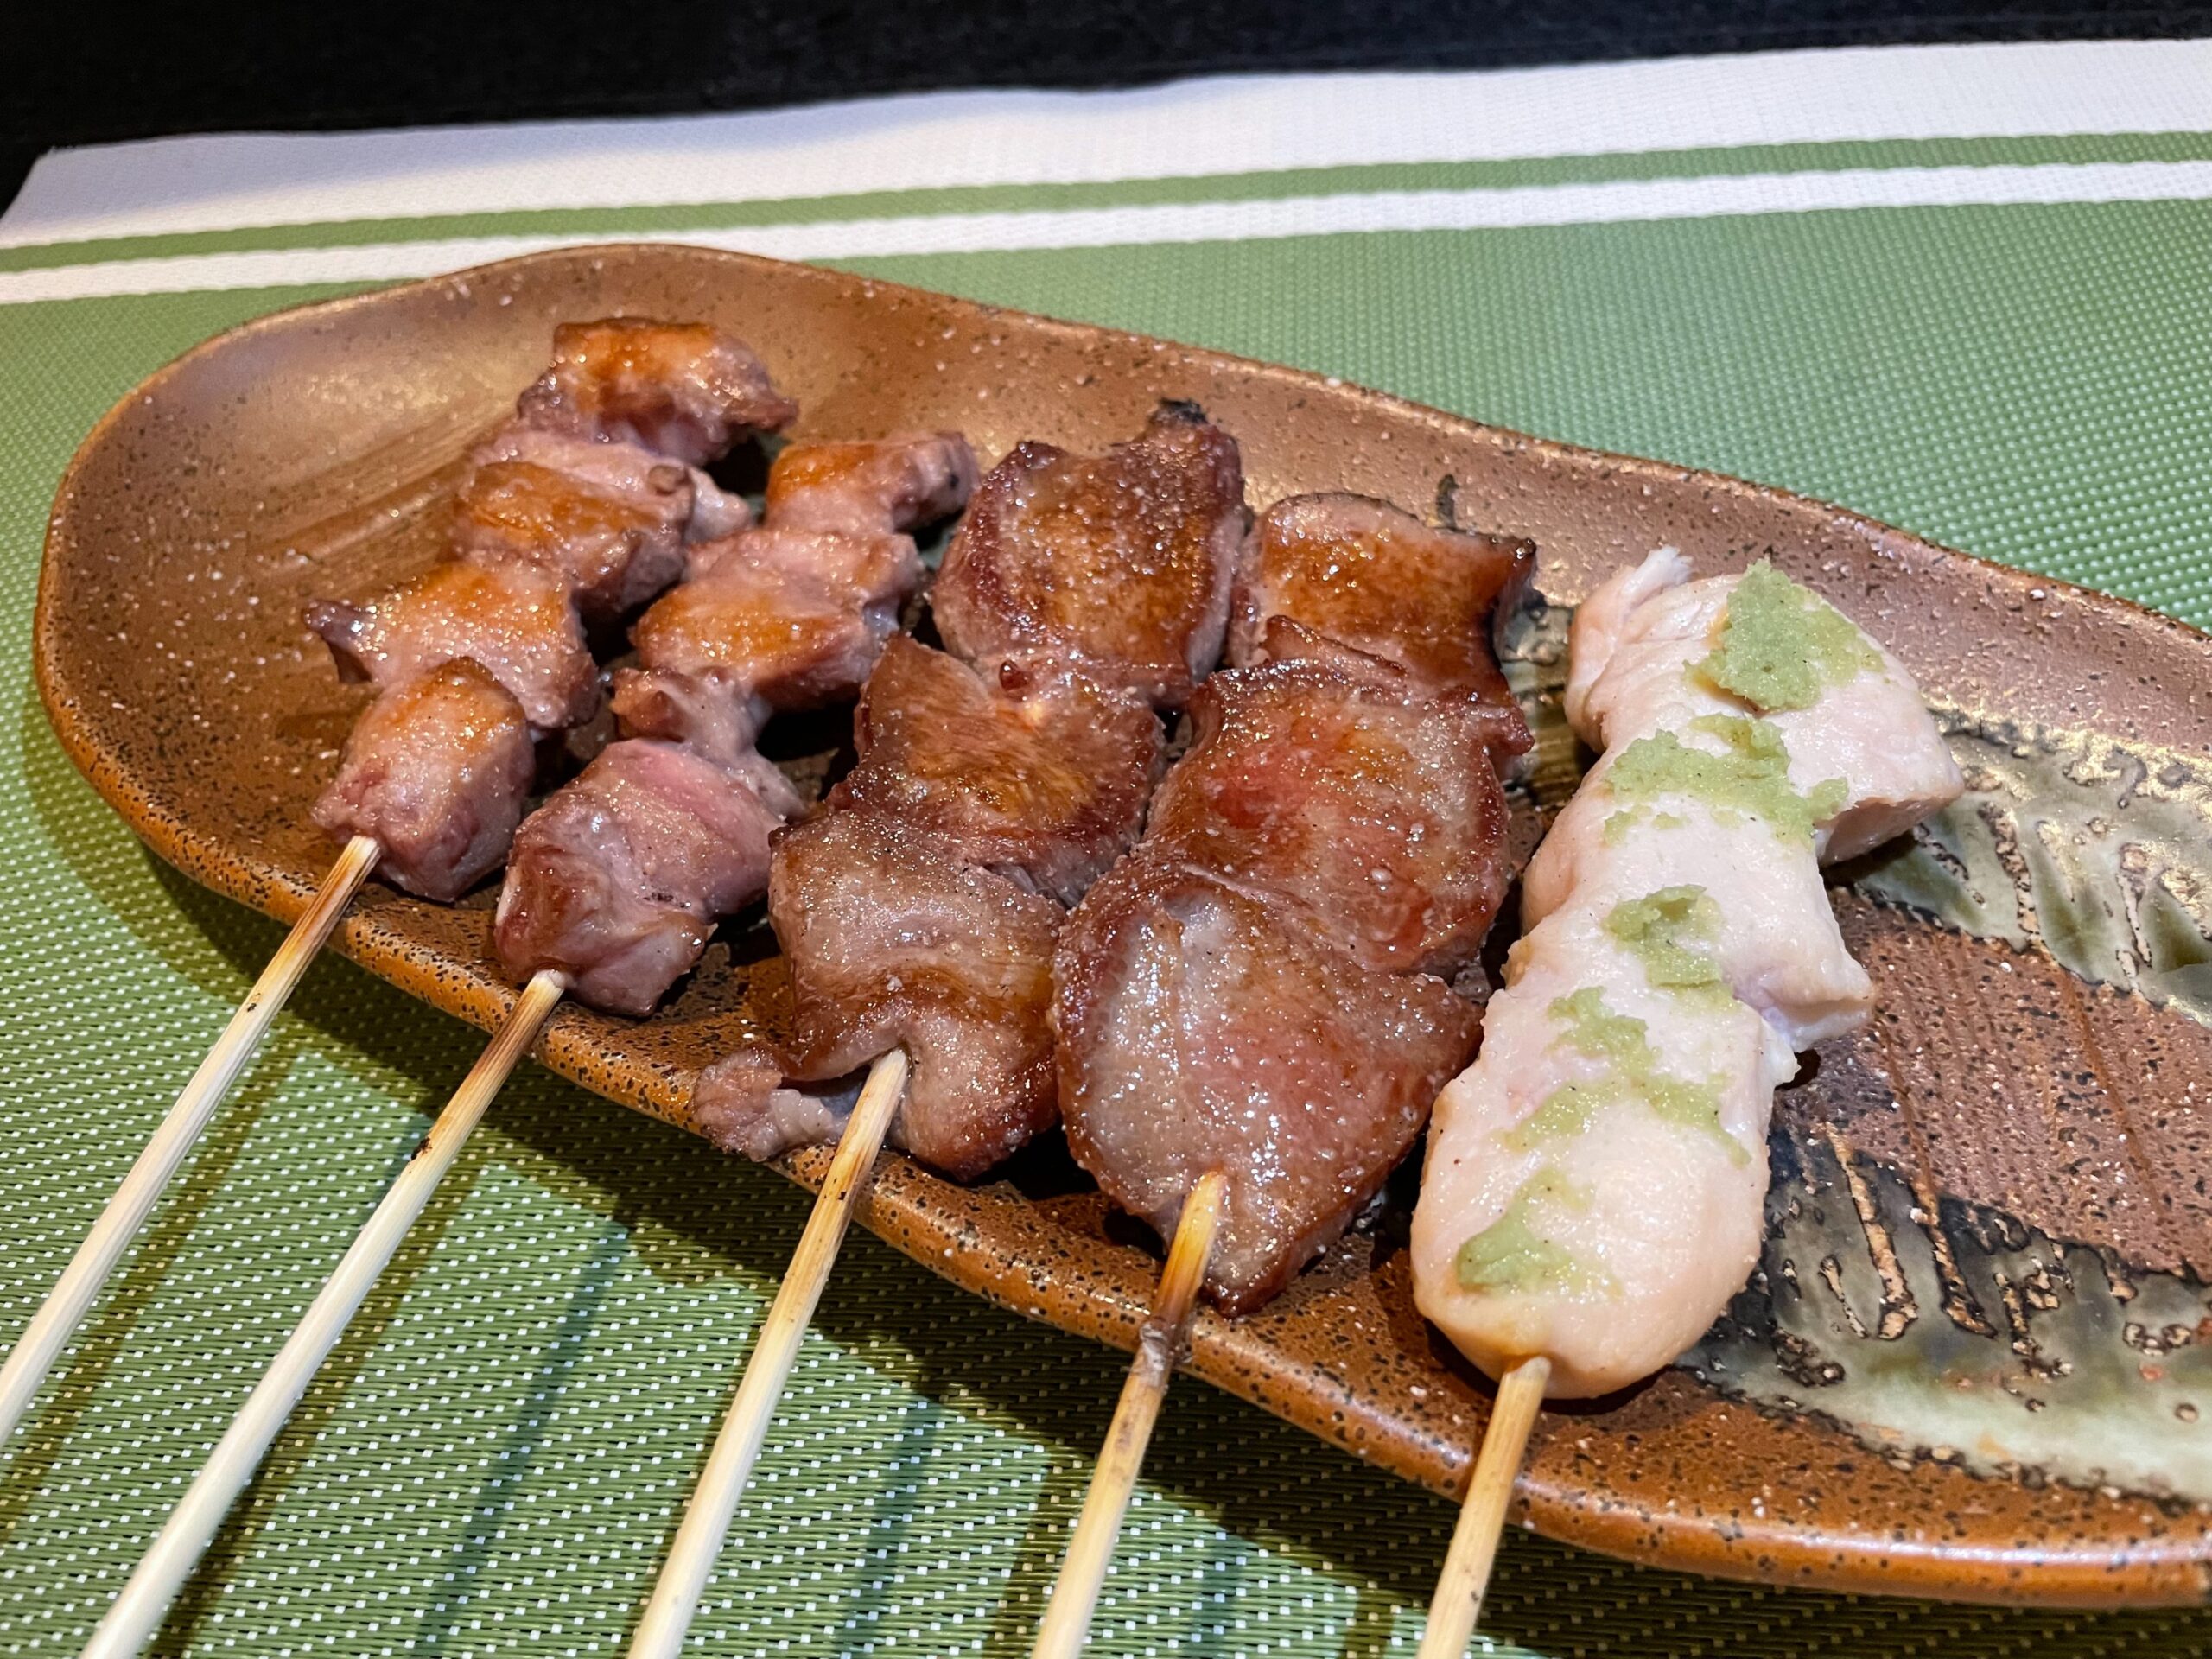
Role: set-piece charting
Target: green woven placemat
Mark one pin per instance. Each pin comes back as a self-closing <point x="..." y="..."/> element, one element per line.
<point x="494" y="1459"/>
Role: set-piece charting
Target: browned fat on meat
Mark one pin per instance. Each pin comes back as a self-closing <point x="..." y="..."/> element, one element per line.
<point x="1336" y="788"/>
<point x="1204" y="1029"/>
<point x="435" y="772"/>
<point x="514" y="617"/>
<point x="1121" y="562"/>
<point x="686" y="390"/>
<point x="870" y="483"/>
<point x="889" y="944"/>
<point x="795" y="617"/>
<point x="618" y="880"/>
<point x="1037" y="773"/>
<point x="615" y="551"/>
<point x="1349" y="567"/>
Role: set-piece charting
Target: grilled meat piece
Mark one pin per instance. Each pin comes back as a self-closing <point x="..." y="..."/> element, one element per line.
<point x="1255" y="989"/>
<point x="435" y="772"/>
<point x="602" y="885"/>
<point x="1117" y="563"/>
<point x="1627" y="1233"/>
<point x="627" y="471"/>
<point x="743" y="1105"/>
<point x="618" y="880"/>
<point x="1632" y="659"/>
<point x="794" y="617"/>
<point x="1041" y="777"/>
<point x="687" y="391"/>
<point x="614" y="552"/>
<point x="922" y="911"/>
<point x="512" y="616"/>
<point x="1365" y="575"/>
<point x="1336" y="789"/>
<point x="890" y="942"/>
<point x="859" y="485"/>
<point x="1201" y="1028"/>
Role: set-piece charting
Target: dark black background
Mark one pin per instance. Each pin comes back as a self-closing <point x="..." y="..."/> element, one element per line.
<point x="85" y="73"/>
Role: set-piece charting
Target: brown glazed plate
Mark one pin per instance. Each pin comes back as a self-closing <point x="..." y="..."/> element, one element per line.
<point x="1976" y="1361"/>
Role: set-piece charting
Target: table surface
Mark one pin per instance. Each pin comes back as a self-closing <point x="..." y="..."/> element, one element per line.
<point x="1960" y="288"/>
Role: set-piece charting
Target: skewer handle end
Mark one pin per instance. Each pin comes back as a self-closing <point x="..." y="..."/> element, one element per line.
<point x="1457" y="1602"/>
<point x="79" y="1286"/>
<point x="706" y="1522"/>
<point x="1159" y="1345"/>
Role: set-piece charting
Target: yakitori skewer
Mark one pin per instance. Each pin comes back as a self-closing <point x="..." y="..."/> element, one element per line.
<point x="1595" y="1185"/>
<point x="995" y="781"/>
<point x="1253" y="1007"/>
<point x="614" y="886"/>
<point x="567" y="517"/>
<point x="1457" y="1603"/>
<point x="775" y="1347"/>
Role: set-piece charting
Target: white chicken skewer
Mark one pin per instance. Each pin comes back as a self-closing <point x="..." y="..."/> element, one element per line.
<point x="1595" y="1180"/>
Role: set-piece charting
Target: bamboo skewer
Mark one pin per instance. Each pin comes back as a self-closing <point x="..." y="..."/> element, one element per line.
<point x="1458" y="1599"/>
<point x="138" y="1610"/>
<point x="79" y="1285"/>
<point x="1159" y="1345"/>
<point x="706" y="1523"/>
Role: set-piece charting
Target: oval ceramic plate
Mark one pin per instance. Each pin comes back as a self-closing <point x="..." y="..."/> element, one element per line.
<point x="1977" y="1359"/>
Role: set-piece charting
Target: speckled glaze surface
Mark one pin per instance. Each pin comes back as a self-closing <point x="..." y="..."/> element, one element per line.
<point x="2020" y="1138"/>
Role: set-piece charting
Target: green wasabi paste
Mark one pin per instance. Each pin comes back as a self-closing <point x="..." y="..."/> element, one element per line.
<point x="1633" y="1074"/>
<point x="1782" y="645"/>
<point x="1513" y="1254"/>
<point x="1750" y="775"/>
<point x="1652" y="930"/>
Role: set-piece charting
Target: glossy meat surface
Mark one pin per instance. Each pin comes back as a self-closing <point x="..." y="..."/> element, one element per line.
<point x="1777" y="939"/>
<point x="870" y="485"/>
<point x="618" y="879"/>
<point x="513" y="617"/>
<point x="713" y="712"/>
<point x="627" y="471"/>
<point x="1036" y="774"/>
<point x="891" y="943"/>
<point x="1121" y="563"/>
<point x="1340" y="791"/>
<point x="795" y="617"/>
<point x="686" y="390"/>
<point x="777" y="616"/>
<point x="1348" y="567"/>
<point x="614" y="551"/>
<point x="1200" y="1029"/>
<point x="436" y="770"/>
